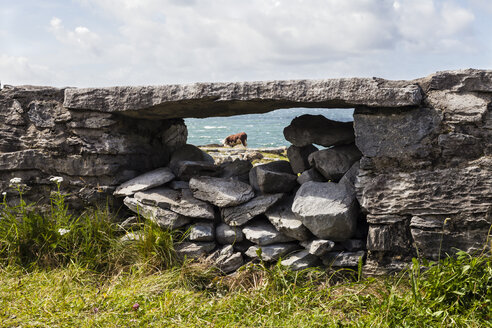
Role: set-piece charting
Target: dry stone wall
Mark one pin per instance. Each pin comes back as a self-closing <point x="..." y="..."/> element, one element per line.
<point x="416" y="174"/>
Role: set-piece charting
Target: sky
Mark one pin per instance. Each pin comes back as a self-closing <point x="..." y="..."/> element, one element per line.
<point x="84" y="43"/>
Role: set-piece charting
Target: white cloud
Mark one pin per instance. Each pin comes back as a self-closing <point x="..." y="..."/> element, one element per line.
<point x="81" y="37"/>
<point x="19" y="70"/>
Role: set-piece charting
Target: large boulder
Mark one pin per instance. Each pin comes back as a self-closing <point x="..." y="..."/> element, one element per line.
<point x="181" y="202"/>
<point x="190" y="153"/>
<point x="328" y="209"/>
<point x="273" y="177"/>
<point x="332" y="163"/>
<point x="271" y="253"/>
<point x="221" y="192"/>
<point x="263" y="233"/>
<point x="163" y="218"/>
<point x="239" y="215"/>
<point x="228" y="235"/>
<point x="308" y="129"/>
<point x="145" y="181"/>
<point x="285" y="221"/>
<point x="298" y="157"/>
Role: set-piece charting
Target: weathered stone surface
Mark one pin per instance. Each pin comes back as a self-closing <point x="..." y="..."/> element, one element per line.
<point x="44" y="114"/>
<point x="389" y="237"/>
<point x="163" y="218"/>
<point x="202" y="231"/>
<point x="285" y="221"/>
<point x="327" y="209"/>
<point x="145" y="181"/>
<point x="308" y="129"/>
<point x="352" y="244"/>
<point x="298" y="157"/>
<point x="310" y="175"/>
<point x="174" y="134"/>
<point x="228" y="235"/>
<point x="318" y="247"/>
<point x="444" y="192"/>
<point x="226" y="260"/>
<point x="263" y="233"/>
<point x="91" y="120"/>
<point x="185" y="170"/>
<point x="271" y="253"/>
<point x="239" y="215"/>
<point x="223" y="99"/>
<point x="237" y="169"/>
<point x="463" y="80"/>
<point x="181" y="202"/>
<point x="189" y="153"/>
<point x="350" y="178"/>
<point x="300" y="260"/>
<point x="221" y="192"/>
<point x="177" y="185"/>
<point x="343" y="259"/>
<point x="332" y="163"/>
<point x="405" y="134"/>
<point x="273" y="177"/>
<point x="194" y="250"/>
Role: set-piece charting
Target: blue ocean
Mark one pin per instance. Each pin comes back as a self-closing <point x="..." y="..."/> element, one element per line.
<point x="263" y="130"/>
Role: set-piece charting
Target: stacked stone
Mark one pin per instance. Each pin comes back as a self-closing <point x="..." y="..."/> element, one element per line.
<point x="234" y="212"/>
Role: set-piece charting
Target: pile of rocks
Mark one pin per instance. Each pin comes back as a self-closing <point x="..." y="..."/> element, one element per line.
<point x="234" y="212"/>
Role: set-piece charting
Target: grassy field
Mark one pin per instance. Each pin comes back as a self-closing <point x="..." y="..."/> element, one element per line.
<point x="58" y="270"/>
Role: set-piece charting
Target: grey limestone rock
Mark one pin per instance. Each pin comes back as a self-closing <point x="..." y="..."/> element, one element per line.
<point x="224" y="99"/>
<point x="300" y="260"/>
<point x="194" y="250"/>
<point x="190" y="153"/>
<point x="318" y="247"/>
<point x="185" y="170"/>
<point x="298" y="157"/>
<point x="264" y="233"/>
<point x="226" y="260"/>
<point x="202" y="231"/>
<point x="163" y="218"/>
<point x="237" y="169"/>
<point x="271" y="253"/>
<point x="310" y="175"/>
<point x="343" y="259"/>
<point x="221" y="192"/>
<point x="273" y="177"/>
<point x="228" y="235"/>
<point x="181" y="202"/>
<point x="352" y="244"/>
<point x="145" y="181"/>
<point x="177" y="185"/>
<point x="285" y="221"/>
<point x="328" y="209"/>
<point x="332" y="163"/>
<point x="239" y="215"/>
<point x="308" y="129"/>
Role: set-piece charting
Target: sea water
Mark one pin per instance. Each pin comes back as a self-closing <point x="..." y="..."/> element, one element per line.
<point x="263" y="130"/>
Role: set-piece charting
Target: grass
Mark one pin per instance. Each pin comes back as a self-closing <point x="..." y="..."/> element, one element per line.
<point x="86" y="276"/>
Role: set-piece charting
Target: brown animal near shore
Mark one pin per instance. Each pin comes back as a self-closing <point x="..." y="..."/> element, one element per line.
<point x="236" y="139"/>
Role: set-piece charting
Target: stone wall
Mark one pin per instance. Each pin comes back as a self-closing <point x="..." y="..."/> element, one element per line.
<point x="424" y="183"/>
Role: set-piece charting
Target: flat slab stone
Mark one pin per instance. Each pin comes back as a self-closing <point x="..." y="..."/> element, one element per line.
<point x="224" y="99"/>
<point x="285" y="221"/>
<point x="145" y="181"/>
<point x="228" y="235"/>
<point x="343" y="259"/>
<point x="334" y="162"/>
<point x="163" y="218"/>
<point x="264" y="233"/>
<point x="318" y="247"/>
<point x="271" y="253"/>
<point x="328" y="209"/>
<point x="194" y="250"/>
<point x="239" y="215"/>
<point x="181" y="202"/>
<point x="300" y="260"/>
<point x="221" y="192"/>
<point x="185" y="170"/>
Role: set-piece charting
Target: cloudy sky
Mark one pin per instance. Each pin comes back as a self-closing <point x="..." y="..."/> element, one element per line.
<point x="141" y="42"/>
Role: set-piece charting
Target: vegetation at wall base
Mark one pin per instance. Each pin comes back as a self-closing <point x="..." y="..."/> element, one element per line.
<point x="59" y="270"/>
